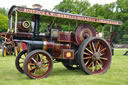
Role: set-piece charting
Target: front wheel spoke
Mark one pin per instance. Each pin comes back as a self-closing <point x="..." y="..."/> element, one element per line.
<point x="89" y="50"/>
<point x="94" y="47"/>
<point x="35" y="71"/>
<point x="39" y="71"/>
<point x="103" y="58"/>
<point x="34" y="60"/>
<point x="44" y="66"/>
<point x="99" y="65"/>
<point x="42" y="69"/>
<point x="31" y="64"/>
<point x="32" y="69"/>
<point x="87" y="58"/>
<point x="37" y="57"/>
<point x="102" y="50"/>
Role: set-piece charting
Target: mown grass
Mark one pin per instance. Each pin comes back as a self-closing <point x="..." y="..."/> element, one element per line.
<point x="116" y="75"/>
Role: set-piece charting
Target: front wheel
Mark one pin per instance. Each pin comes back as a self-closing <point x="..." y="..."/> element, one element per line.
<point x="38" y="64"/>
<point x="94" y="55"/>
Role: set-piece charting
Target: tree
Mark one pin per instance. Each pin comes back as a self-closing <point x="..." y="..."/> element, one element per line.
<point x="4" y="11"/>
<point x="73" y="6"/>
<point x="3" y="23"/>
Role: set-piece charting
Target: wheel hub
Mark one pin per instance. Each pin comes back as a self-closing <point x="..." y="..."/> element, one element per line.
<point x="39" y="65"/>
<point x="96" y="56"/>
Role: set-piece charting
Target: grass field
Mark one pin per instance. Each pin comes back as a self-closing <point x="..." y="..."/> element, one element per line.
<point x="116" y="75"/>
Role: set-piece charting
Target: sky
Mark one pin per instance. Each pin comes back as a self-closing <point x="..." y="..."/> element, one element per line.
<point x="47" y="4"/>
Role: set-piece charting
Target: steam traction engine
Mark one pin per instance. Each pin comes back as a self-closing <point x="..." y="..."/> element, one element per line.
<point x="10" y="47"/>
<point x="75" y="49"/>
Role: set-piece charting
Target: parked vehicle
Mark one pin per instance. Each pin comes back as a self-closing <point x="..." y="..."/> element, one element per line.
<point x="66" y="38"/>
<point x="9" y="47"/>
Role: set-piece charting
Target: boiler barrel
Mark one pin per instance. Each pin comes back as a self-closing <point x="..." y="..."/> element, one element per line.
<point x="45" y="45"/>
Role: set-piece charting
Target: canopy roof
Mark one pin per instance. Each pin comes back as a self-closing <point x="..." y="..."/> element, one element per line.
<point x="62" y="15"/>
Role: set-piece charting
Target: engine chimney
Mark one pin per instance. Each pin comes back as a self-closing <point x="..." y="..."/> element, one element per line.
<point x="37" y="6"/>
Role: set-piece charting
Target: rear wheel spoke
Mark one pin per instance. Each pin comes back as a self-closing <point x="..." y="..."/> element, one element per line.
<point x="99" y="48"/>
<point x="89" y="50"/>
<point x="87" y="58"/>
<point x="95" y="66"/>
<point x="102" y="50"/>
<point x="102" y="54"/>
<point x="97" y="45"/>
<point x="99" y="65"/>
<point x="92" y="66"/>
<point x="101" y="62"/>
<point x="86" y="53"/>
<point x="93" y="47"/>
<point x="90" y="46"/>
<point x="103" y="58"/>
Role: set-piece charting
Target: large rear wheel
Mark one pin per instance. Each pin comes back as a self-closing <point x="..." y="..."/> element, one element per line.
<point x="38" y="64"/>
<point x="94" y="55"/>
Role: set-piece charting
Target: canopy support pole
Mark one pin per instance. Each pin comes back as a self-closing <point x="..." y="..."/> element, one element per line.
<point x="16" y="22"/>
<point x="102" y="30"/>
<point x="111" y="28"/>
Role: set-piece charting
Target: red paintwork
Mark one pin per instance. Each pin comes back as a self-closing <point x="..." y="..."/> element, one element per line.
<point x="63" y="15"/>
<point x="23" y="35"/>
<point x="66" y="37"/>
<point x="24" y="46"/>
<point x="65" y="51"/>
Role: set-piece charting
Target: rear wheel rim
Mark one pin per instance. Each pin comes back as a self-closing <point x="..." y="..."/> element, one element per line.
<point x="96" y="56"/>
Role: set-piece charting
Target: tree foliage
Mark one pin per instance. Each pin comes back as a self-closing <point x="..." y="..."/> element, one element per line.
<point x="3" y="23"/>
<point x="4" y="11"/>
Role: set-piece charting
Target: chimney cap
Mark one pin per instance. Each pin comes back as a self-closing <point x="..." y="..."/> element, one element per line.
<point x="37" y="6"/>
